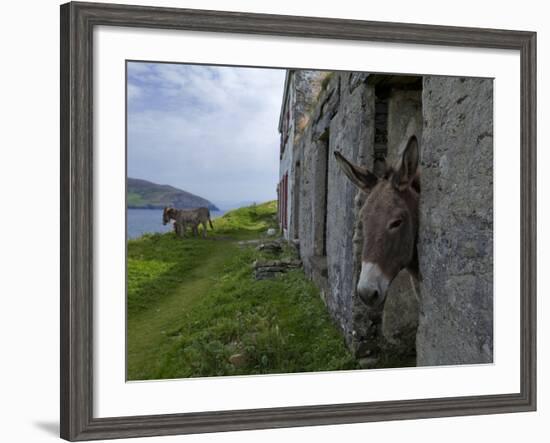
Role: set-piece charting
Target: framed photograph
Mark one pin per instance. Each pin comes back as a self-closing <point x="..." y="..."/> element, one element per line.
<point x="272" y="221"/>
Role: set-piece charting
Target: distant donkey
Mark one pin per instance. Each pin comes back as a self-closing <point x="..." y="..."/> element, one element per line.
<point x="390" y="222"/>
<point x="202" y="216"/>
<point x="184" y="218"/>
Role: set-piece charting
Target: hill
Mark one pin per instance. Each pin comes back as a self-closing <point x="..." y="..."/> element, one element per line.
<point x="144" y="194"/>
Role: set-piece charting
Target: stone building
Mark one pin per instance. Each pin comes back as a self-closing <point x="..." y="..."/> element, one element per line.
<point x="366" y="117"/>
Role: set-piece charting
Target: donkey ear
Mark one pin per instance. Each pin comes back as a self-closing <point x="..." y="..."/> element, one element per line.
<point x="406" y="168"/>
<point x="360" y="177"/>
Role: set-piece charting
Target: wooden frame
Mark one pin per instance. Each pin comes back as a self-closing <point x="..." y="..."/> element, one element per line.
<point x="77" y="23"/>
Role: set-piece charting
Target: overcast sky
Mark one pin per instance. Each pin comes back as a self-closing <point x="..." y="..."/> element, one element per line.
<point x="208" y="130"/>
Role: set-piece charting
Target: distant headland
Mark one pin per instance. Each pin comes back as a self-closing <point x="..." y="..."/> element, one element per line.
<point x="143" y="194"/>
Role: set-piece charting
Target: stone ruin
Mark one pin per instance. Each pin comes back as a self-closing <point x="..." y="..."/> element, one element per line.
<point x="365" y="117"/>
<point x="265" y="269"/>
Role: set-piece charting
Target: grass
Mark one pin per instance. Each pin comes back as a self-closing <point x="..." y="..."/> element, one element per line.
<point x="195" y="309"/>
<point x="326" y="80"/>
<point x="135" y="200"/>
<point x="249" y="221"/>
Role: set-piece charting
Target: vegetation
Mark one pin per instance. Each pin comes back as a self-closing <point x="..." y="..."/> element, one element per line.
<point x="145" y="194"/>
<point x="195" y="309"/>
<point x="248" y="222"/>
<point x="326" y="80"/>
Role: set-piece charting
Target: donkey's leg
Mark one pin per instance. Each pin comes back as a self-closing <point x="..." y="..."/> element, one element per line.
<point x="204" y="229"/>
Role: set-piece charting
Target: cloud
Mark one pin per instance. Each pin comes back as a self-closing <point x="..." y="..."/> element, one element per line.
<point x="208" y="130"/>
<point x="134" y="92"/>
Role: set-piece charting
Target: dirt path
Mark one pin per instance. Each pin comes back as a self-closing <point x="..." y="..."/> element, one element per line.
<point x="147" y="331"/>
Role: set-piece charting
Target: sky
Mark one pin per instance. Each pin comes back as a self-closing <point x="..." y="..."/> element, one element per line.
<point x="209" y="130"/>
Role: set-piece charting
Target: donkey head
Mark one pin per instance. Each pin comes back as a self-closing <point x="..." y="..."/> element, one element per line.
<point x="390" y="222"/>
<point x="167" y="215"/>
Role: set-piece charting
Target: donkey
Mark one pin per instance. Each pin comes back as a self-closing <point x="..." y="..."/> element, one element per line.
<point x="390" y="223"/>
<point x="187" y="217"/>
<point x="172" y="214"/>
<point x="202" y="216"/>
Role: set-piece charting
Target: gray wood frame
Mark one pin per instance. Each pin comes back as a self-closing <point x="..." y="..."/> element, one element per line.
<point x="77" y="24"/>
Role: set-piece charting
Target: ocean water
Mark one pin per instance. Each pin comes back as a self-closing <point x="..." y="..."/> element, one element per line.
<point x="142" y="221"/>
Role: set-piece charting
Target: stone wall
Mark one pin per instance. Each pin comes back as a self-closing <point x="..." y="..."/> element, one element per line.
<point x="456" y="235"/>
<point x="327" y="217"/>
<point x="303" y="89"/>
<point x="351" y="133"/>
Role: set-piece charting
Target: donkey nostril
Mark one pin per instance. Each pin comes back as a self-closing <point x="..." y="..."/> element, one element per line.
<point x="369" y="296"/>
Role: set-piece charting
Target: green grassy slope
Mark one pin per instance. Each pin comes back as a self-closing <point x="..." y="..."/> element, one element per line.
<point x="193" y="305"/>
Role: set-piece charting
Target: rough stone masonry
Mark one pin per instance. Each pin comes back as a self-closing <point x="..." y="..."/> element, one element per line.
<point x="456" y="235"/>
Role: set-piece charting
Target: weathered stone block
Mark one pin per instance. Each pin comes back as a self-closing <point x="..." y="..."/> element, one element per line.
<point x="456" y="222"/>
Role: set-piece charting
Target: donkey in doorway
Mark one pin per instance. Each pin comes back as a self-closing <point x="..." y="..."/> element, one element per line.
<point x="390" y="223"/>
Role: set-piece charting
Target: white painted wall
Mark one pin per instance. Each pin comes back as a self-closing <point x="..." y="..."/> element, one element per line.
<point x="29" y="171"/>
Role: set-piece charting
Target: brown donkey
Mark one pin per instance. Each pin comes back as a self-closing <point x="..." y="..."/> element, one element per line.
<point x="390" y="222"/>
<point x="184" y="218"/>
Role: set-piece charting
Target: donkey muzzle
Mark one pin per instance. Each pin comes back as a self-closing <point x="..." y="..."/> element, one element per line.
<point x="372" y="284"/>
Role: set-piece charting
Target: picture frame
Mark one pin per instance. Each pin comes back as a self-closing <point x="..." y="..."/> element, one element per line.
<point x="77" y="214"/>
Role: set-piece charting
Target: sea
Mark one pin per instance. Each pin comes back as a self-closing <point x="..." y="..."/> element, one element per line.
<point x="142" y="221"/>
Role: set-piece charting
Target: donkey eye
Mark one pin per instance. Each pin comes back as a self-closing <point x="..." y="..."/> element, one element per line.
<point x="395" y="224"/>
